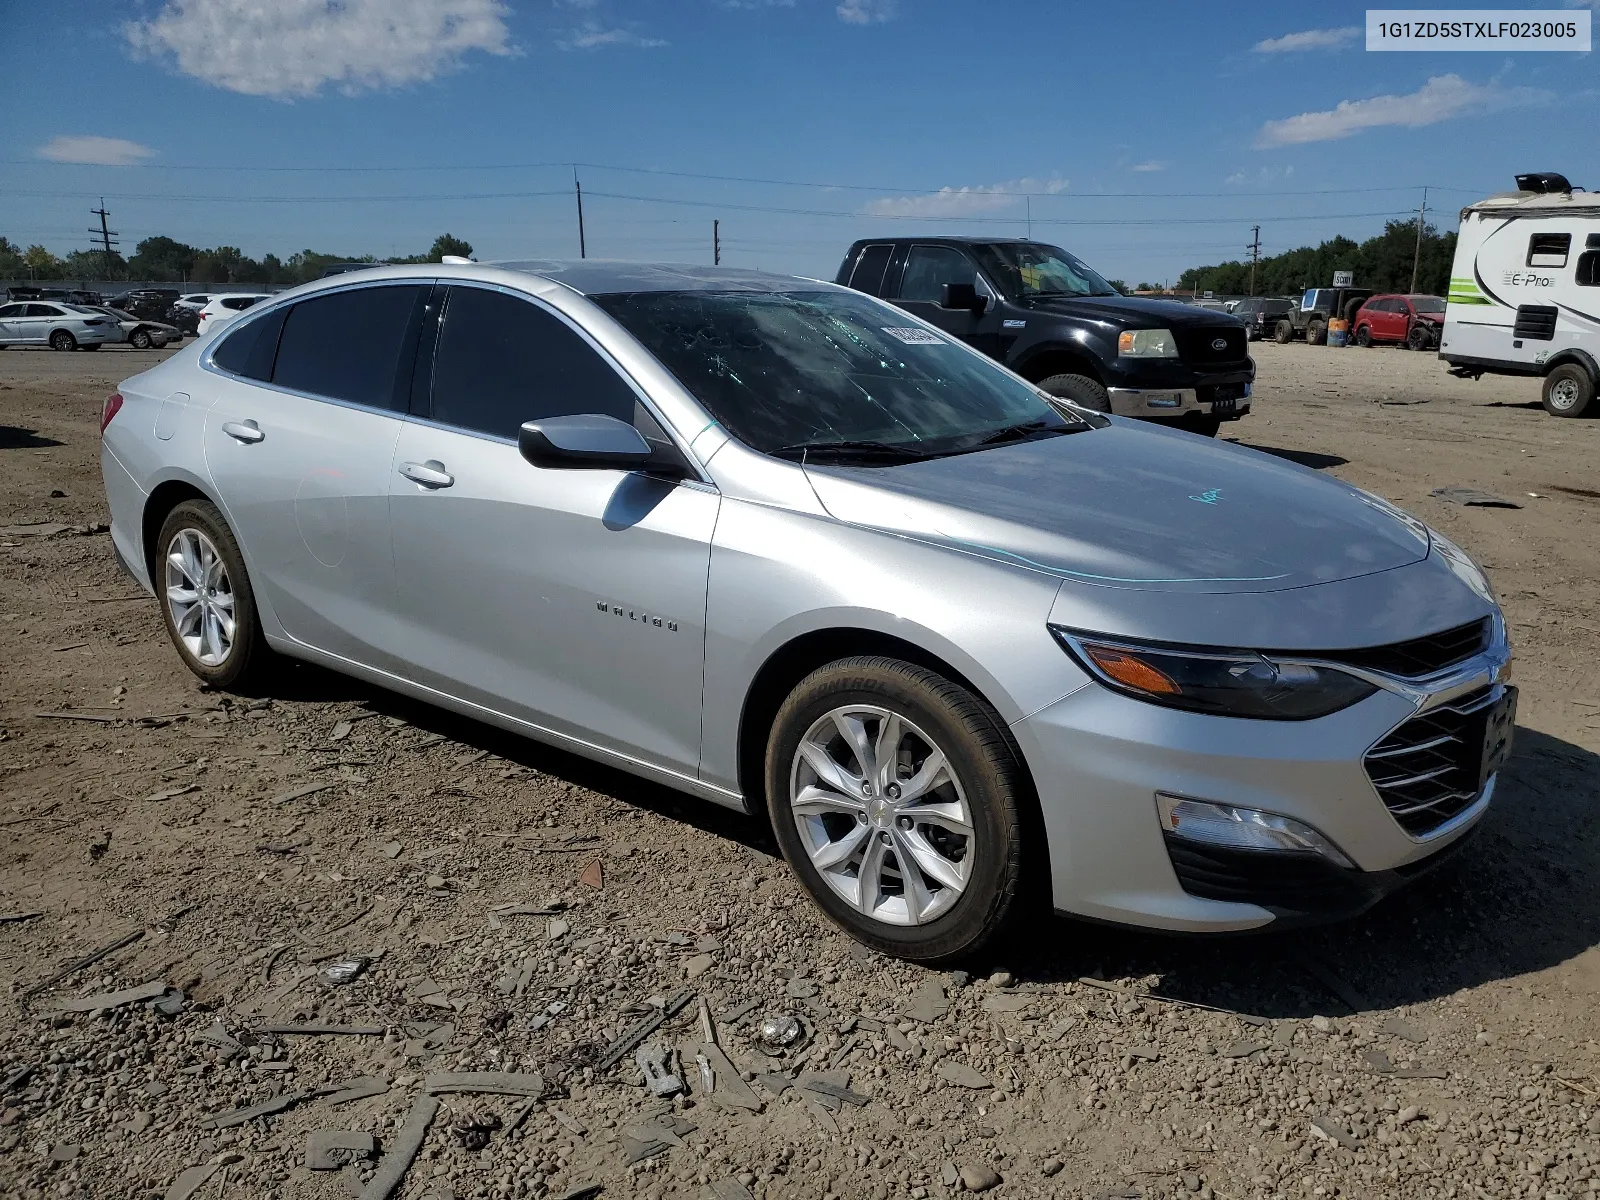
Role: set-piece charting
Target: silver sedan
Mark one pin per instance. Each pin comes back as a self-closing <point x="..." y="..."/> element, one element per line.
<point x="57" y="325"/>
<point x="781" y="546"/>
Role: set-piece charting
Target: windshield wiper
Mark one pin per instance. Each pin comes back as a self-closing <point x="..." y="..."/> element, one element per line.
<point x="1025" y="429"/>
<point x="849" y="449"/>
<point x="1037" y="295"/>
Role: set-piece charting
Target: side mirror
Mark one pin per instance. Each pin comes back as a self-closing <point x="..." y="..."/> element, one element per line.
<point x="962" y="296"/>
<point x="589" y="441"/>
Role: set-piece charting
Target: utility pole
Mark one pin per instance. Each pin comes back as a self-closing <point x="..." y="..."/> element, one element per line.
<point x="1029" y="199"/>
<point x="583" y="250"/>
<point x="1255" y="255"/>
<point x="716" y="243"/>
<point x="1416" y="257"/>
<point x="105" y="235"/>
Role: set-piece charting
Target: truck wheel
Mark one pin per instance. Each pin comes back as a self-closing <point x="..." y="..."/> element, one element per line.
<point x="1364" y="336"/>
<point x="1569" y="391"/>
<point x="1317" y="333"/>
<point x="1283" y="334"/>
<point x="1080" y="389"/>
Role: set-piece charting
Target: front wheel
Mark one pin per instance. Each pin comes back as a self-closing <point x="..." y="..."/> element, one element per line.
<point x="1080" y="389"/>
<point x="62" y="339"/>
<point x="206" y="600"/>
<point x="1569" y="391"/>
<point x="895" y="795"/>
<point x="1317" y="333"/>
<point x="1419" y="338"/>
<point x="140" y="339"/>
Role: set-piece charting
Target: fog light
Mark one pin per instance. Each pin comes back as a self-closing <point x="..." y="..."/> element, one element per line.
<point x="1242" y="828"/>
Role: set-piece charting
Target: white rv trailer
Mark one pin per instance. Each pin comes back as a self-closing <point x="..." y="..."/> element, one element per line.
<point x="1525" y="291"/>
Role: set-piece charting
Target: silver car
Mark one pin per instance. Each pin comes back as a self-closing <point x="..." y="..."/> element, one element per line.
<point x="789" y="549"/>
<point x="57" y="325"/>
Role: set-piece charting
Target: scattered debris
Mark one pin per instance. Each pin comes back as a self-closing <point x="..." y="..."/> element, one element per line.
<point x="326" y="1030"/>
<point x="8" y="918"/>
<point x="495" y="1083"/>
<point x="87" y="960"/>
<point x="613" y="1053"/>
<point x="336" y="974"/>
<point x="1330" y="1130"/>
<point x="300" y="793"/>
<point x="358" y="1088"/>
<point x="191" y="1180"/>
<point x="593" y="876"/>
<point x="1243" y="1048"/>
<point x="1472" y="498"/>
<point x="960" y="1074"/>
<point x="928" y="1004"/>
<point x="331" y="1149"/>
<point x="728" y="1085"/>
<point x="726" y="1189"/>
<point x="474" y="1129"/>
<point x="266" y="1108"/>
<point x="1401" y="1028"/>
<point x="778" y="1032"/>
<point x="392" y="1166"/>
<point x="655" y="1064"/>
<point x="82" y="1004"/>
<point x="979" y="1177"/>
<point x="822" y="1085"/>
<point x="173" y="793"/>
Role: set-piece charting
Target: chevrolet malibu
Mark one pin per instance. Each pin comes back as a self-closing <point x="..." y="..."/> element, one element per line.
<point x="779" y="545"/>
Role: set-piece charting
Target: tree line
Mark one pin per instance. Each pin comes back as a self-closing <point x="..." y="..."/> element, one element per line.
<point x="1382" y="263"/>
<point x="164" y="260"/>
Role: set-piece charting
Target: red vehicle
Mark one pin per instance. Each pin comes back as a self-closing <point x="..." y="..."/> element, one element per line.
<point x="1413" y="321"/>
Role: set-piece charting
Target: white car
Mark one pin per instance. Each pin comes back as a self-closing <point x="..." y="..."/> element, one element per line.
<point x="224" y="309"/>
<point x="196" y="300"/>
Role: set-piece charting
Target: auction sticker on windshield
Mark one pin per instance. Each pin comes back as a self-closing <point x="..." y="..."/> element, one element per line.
<point x="913" y="337"/>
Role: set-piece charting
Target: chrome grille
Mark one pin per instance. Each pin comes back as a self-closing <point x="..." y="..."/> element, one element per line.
<point x="1427" y="770"/>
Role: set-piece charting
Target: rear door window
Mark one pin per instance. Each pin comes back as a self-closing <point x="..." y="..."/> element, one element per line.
<point x="239" y="303"/>
<point x="870" y="266"/>
<point x="248" y="349"/>
<point x="501" y="360"/>
<point x="928" y="268"/>
<point x="44" y="310"/>
<point x="349" y="345"/>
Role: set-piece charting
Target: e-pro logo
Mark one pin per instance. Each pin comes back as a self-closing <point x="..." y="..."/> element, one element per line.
<point x="1209" y="496"/>
<point x="1526" y="279"/>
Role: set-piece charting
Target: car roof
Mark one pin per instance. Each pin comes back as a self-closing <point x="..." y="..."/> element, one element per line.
<point x="592" y="277"/>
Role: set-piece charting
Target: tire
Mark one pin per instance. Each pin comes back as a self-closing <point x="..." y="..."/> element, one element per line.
<point x="1204" y="424"/>
<point x="1569" y="391"/>
<point x="1364" y="336"/>
<point x="1317" y="333"/>
<point x="1080" y="389"/>
<point x="62" y="339"/>
<point x="206" y="534"/>
<point x="1283" y="333"/>
<point x="1419" y="338"/>
<point x="140" y="339"/>
<point x="985" y="783"/>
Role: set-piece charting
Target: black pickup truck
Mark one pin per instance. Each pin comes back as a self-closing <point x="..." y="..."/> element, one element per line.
<point x="1055" y="322"/>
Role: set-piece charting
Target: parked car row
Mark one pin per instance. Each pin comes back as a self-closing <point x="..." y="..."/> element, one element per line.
<point x="79" y="327"/>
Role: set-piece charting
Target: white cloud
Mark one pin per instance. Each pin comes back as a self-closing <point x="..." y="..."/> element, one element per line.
<point x="1309" y="39"/>
<point x="594" y="35"/>
<point x="291" y="48"/>
<point x="866" y="12"/>
<point x="1152" y="165"/>
<point x="1262" y="175"/>
<point x="962" y="201"/>
<point x="97" y="151"/>
<point x="1441" y="98"/>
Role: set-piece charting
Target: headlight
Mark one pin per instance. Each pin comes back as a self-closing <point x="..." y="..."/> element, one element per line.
<point x="1226" y="683"/>
<point x="1147" y="343"/>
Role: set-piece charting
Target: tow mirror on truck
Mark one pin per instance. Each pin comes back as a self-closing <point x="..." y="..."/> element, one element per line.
<point x="962" y="296"/>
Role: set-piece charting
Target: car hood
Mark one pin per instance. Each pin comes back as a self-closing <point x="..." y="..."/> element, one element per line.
<point x="1134" y="311"/>
<point x="1132" y="506"/>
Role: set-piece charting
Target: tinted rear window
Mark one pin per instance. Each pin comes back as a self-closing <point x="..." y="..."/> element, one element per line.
<point x="239" y="303"/>
<point x="502" y="361"/>
<point x="868" y="275"/>
<point x="348" y="345"/>
<point x="248" y="349"/>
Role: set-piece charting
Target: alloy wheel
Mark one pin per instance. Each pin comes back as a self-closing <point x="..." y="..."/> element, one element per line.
<point x="200" y="597"/>
<point x="881" y="815"/>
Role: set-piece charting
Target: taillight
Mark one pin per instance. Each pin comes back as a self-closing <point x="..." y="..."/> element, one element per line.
<point x="112" y="407"/>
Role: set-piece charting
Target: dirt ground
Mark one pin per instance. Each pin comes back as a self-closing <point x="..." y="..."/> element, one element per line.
<point x="1444" y="1045"/>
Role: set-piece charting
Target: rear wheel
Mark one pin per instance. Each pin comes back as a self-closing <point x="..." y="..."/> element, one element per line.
<point x="1364" y="336"/>
<point x="1283" y="333"/>
<point x="1317" y="333"/>
<point x="206" y="599"/>
<point x="895" y="796"/>
<point x="1080" y="389"/>
<point x="1569" y="391"/>
<point x="62" y="339"/>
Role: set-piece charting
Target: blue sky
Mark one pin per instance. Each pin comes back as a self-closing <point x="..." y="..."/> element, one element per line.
<point x="1151" y="136"/>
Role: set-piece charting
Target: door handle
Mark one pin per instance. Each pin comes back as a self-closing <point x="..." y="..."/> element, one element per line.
<point x="430" y="474"/>
<point x="244" y="431"/>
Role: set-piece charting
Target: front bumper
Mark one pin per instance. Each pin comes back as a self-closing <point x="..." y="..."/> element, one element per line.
<point x="1228" y="401"/>
<point x="1099" y="759"/>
